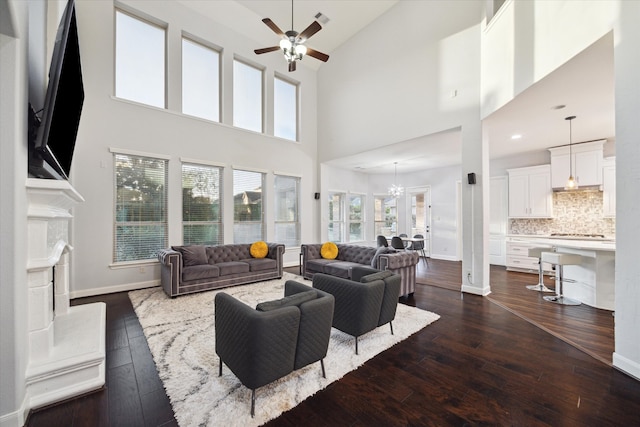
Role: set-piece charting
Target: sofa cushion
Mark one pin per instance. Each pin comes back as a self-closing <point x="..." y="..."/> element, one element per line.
<point x="381" y="275"/>
<point x="291" y="300"/>
<point x="232" y="267"/>
<point x="318" y="265"/>
<point x="259" y="249"/>
<point x="198" y="272"/>
<point x="329" y="250"/>
<point x="261" y="264"/>
<point x="192" y="254"/>
<point x="340" y="269"/>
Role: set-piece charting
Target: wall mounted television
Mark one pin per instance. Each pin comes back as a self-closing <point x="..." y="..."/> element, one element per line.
<point x="52" y="137"/>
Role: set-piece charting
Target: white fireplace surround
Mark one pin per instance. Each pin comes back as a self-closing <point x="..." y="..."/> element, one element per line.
<point x="66" y="355"/>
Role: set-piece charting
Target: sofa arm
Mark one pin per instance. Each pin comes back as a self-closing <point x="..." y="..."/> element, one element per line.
<point x="309" y="252"/>
<point x="398" y="260"/>
<point x="170" y="270"/>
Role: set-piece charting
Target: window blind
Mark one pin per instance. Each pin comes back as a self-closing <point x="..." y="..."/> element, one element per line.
<point x="140" y="227"/>
<point x="248" y="223"/>
<point x="287" y="202"/>
<point x="202" y="204"/>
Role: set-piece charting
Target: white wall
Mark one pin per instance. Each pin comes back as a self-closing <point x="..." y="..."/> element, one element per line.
<point x="526" y="42"/>
<point x="13" y="210"/>
<point x="108" y="122"/>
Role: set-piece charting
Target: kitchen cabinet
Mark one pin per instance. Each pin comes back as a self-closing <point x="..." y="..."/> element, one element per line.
<point x="586" y="159"/>
<point x="609" y="187"/>
<point x="530" y="193"/>
<point x="518" y="258"/>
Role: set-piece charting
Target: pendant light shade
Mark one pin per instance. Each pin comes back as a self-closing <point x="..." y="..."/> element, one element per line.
<point x="572" y="184"/>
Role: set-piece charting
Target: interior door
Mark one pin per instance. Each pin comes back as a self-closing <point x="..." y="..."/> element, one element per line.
<point x="421" y="216"/>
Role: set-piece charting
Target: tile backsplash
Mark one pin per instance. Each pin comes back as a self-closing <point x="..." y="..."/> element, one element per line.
<point x="575" y="212"/>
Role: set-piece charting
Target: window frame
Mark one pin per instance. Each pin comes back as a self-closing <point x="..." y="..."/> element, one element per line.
<point x="362" y="221"/>
<point x="384" y="221"/>
<point x="148" y="20"/>
<point x="296" y="221"/>
<point x="236" y="106"/>
<point x="263" y="194"/>
<point x="218" y="52"/>
<point x="340" y="223"/>
<point x="116" y="204"/>
<point x="296" y="87"/>
<point x="220" y="192"/>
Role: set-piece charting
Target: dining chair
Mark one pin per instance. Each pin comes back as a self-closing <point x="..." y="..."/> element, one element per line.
<point x="407" y="245"/>
<point x="419" y="246"/>
<point x="382" y="241"/>
<point x="397" y="243"/>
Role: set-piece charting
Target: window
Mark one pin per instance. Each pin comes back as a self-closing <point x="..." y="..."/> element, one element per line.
<point x="356" y="217"/>
<point x="418" y="214"/>
<point x="287" y="202"/>
<point x="285" y="109"/>
<point x="140" y="61"/>
<point x="384" y="211"/>
<point x="247" y="96"/>
<point x="248" y="225"/>
<point x="336" y="217"/>
<point x="202" y="205"/>
<point x="140" y="228"/>
<point x="200" y="81"/>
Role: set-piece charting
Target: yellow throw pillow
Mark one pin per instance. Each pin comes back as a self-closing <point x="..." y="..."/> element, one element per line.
<point x="329" y="250"/>
<point x="259" y="249"/>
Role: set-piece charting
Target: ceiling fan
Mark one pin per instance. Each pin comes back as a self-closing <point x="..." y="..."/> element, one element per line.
<point x="292" y="43"/>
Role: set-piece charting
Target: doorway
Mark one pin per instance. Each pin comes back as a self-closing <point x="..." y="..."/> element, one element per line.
<point x="420" y="215"/>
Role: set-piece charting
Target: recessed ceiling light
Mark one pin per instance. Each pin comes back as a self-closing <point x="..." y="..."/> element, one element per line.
<point x="558" y="107"/>
<point x="516" y="136"/>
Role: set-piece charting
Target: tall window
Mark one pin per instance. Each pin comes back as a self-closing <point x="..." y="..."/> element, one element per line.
<point x="285" y="109"/>
<point x="202" y="204"/>
<point x="247" y="96"/>
<point x="140" y="60"/>
<point x="248" y="223"/>
<point x="287" y="203"/>
<point x="385" y="215"/>
<point x="356" y="217"/>
<point x="336" y="217"/>
<point x="418" y="214"/>
<point x="140" y="228"/>
<point x="200" y="81"/>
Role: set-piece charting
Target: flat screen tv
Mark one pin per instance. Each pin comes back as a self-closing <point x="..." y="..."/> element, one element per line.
<point x="53" y="134"/>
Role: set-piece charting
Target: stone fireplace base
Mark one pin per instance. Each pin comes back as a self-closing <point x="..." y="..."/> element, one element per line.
<point x="66" y="344"/>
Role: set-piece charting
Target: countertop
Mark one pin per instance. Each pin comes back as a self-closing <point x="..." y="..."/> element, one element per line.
<point x="598" y="244"/>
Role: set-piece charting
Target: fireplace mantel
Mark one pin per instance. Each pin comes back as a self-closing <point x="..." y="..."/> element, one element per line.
<point x="66" y="344"/>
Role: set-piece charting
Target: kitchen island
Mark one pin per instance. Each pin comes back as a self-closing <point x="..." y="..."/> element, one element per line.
<point x="593" y="281"/>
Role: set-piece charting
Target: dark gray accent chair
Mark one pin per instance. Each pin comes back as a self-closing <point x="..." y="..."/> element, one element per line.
<point x="278" y="337"/>
<point x="368" y="300"/>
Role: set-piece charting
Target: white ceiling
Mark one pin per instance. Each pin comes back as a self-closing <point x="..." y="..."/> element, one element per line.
<point x="585" y="85"/>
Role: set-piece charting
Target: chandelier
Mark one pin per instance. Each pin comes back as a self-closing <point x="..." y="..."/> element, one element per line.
<point x="396" y="190"/>
<point x="572" y="184"/>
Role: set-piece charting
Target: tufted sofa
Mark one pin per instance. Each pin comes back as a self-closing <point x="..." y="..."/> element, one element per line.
<point x="400" y="262"/>
<point x="196" y="268"/>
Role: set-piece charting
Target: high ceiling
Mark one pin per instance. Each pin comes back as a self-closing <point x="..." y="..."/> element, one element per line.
<point x="585" y="85"/>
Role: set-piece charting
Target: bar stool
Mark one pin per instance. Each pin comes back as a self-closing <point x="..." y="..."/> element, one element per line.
<point x="537" y="253"/>
<point x="561" y="260"/>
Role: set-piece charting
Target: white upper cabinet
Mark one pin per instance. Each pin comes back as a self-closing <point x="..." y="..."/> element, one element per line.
<point x="609" y="187"/>
<point x="586" y="159"/>
<point x="530" y="193"/>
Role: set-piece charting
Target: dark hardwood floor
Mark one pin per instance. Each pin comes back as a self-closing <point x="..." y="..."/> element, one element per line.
<point x="498" y="360"/>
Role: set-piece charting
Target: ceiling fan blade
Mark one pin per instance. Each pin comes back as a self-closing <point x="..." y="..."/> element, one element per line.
<point x="318" y="55"/>
<point x="292" y="66"/>
<point x="273" y="27"/>
<point x="310" y="30"/>
<point x="266" y="50"/>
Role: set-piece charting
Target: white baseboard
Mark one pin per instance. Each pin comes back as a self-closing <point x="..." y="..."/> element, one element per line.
<point x="444" y="257"/>
<point x="16" y="418"/>
<point x="626" y="365"/>
<point x="113" y="289"/>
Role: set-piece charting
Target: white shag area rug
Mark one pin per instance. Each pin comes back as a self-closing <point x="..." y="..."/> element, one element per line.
<point x="180" y="333"/>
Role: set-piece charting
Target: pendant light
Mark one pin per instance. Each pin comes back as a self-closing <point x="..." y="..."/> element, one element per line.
<point x="396" y="190"/>
<point x="572" y="184"/>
